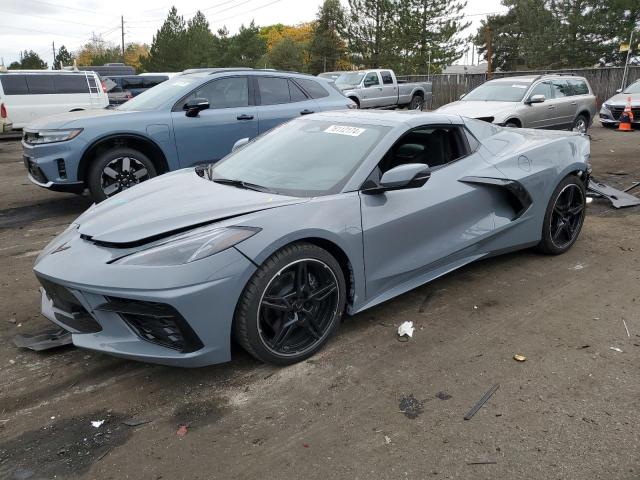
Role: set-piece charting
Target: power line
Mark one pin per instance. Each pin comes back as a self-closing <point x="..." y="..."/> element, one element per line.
<point x="247" y="11"/>
<point x="68" y="8"/>
<point x="42" y="31"/>
<point x="51" y="18"/>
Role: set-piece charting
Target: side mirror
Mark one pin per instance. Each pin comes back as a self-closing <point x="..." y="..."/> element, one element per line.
<point x="239" y="144"/>
<point x="462" y="96"/>
<point x="410" y="175"/>
<point x="619" y="90"/>
<point x="537" y="99"/>
<point x="195" y="106"/>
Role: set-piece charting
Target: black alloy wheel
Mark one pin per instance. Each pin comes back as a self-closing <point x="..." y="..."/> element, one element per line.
<point x="291" y="306"/>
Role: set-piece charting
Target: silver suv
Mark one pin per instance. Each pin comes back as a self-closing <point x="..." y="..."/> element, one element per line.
<point x="532" y="101"/>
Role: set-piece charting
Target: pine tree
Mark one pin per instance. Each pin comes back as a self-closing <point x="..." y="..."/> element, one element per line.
<point x="287" y="54"/>
<point x="327" y="46"/>
<point x="370" y="31"/>
<point x="427" y="30"/>
<point x="31" y="61"/>
<point x="247" y="47"/>
<point x="167" y="52"/>
<point x="62" y="57"/>
<point x="200" y="42"/>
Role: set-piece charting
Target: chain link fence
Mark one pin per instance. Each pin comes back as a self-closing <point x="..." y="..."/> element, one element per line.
<point x="447" y="88"/>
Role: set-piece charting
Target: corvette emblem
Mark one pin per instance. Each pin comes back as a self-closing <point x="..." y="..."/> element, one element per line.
<point x="61" y="248"/>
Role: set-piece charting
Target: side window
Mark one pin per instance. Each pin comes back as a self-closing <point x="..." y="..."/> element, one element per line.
<point x="579" y="87"/>
<point x="560" y="88"/>
<point x="224" y="93"/>
<point x="296" y="94"/>
<point x="371" y="79"/>
<point x="313" y="88"/>
<point x="473" y="142"/>
<point x="40" y="84"/>
<point x="71" y="84"/>
<point x="273" y="90"/>
<point x="435" y="146"/>
<point x="14" y="84"/>
<point x="387" y="79"/>
<point x="543" y="88"/>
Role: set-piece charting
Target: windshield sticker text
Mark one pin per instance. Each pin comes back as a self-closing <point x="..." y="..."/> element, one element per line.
<point x="345" y="130"/>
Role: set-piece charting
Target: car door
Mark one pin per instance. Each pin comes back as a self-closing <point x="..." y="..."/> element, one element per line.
<point x="371" y="91"/>
<point x="232" y="115"/>
<point x="389" y="89"/>
<point x="279" y="100"/>
<point x="564" y="112"/>
<point x="411" y="233"/>
<point x="539" y="115"/>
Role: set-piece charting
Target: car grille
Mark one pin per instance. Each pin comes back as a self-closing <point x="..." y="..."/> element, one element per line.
<point x="617" y="111"/>
<point x="157" y="323"/>
<point x="34" y="170"/>
<point x="72" y="313"/>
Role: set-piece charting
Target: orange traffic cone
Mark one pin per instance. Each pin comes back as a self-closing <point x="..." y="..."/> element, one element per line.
<point x="626" y="118"/>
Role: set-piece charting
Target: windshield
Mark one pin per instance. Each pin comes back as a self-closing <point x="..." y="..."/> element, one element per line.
<point x="633" y="88"/>
<point x="350" y="79"/>
<point x="498" y="92"/>
<point x="156" y="97"/>
<point x="303" y="158"/>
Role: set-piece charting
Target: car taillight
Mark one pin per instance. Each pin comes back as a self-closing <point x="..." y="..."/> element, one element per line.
<point x="104" y="87"/>
<point x="3" y="111"/>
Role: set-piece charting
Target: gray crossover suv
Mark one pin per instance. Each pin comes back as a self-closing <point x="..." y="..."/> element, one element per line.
<point x="613" y="108"/>
<point x="532" y="101"/>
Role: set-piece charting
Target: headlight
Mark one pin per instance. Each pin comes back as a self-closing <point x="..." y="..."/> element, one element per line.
<point x="50" y="136"/>
<point x="189" y="247"/>
<point x="607" y="106"/>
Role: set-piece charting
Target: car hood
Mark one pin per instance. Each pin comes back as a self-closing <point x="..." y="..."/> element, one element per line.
<point x="73" y="119"/>
<point x="479" y="109"/>
<point x="621" y="99"/>
<point x="170" y="204"/>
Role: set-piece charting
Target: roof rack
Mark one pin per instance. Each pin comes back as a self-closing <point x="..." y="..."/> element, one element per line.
<point x="213" y="70"/>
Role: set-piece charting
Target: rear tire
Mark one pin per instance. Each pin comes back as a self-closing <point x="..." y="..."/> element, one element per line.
<point x="564" y="217"/>
<point x="580" y="124"/>
<point x="291" y="306"/>
<point x="417" y="103"/>
<point x="116" y="170"/>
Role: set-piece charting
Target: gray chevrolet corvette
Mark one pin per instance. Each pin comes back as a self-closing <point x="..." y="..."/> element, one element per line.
<point x="324" y="216"/>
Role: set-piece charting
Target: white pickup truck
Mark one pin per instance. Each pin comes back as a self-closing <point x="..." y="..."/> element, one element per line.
<point x="381" y="89"/>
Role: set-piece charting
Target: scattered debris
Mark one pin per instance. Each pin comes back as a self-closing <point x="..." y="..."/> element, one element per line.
<point x="518" y="357"/>
<point x="486" y="462"/>
<point x="305" y="445"/>
<point x="12" y="320"/>
<point x="411" y="407"/>
<point x="97" y="423"/>
<point x="135" y="422"/>
<point x="583" y="346"/>
<point x="625" y="327"/>
<point x="443" y="396"/>
<point x="406" y="329"/>
<point x="475" y="307"/>
<point x="578" y="266"/>
<point x="182" y="431"/>
<point x="482" y="401"/>
<point x="387" y="440"/>
<point x="44" y="340"/>
<point x="618" y="198"/>
<point x="633" y="185"/>
<point x="589" y="200"/>
<point x="616" y="349"/>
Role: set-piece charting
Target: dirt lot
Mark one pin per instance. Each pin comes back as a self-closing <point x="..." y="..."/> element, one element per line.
<point x="569" y="412"/>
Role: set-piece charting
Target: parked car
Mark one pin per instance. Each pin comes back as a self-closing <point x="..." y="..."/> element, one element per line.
<point x="380" y="88"/>
<point x="274" y="244"/>
<point x="29" y="95"/>
<point x="530" y="101"/>
<point x="330" y="75"/>
<point x="612" y="109"/>
<point x="193" y="118"/>
<point x="123" y="88"/>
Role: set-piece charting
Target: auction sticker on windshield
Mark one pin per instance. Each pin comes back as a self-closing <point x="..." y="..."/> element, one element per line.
<point x="345" y="130"/>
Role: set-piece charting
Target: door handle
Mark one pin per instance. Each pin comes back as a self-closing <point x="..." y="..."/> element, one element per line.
<point x="574" y="103"/>
<point x="552" y="107"/>
<point x="244" y="116"/>
<point x="306" y="111"/>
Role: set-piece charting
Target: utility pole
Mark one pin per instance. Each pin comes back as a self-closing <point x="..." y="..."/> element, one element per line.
<point x="487" y="39"/>
<point x="53" y="64"/>
<point x="429" y="67"/>
<point x="626" y="62"/>
<point x="122" y="28"/>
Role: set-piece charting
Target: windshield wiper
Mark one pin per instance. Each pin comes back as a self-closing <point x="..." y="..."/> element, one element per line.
<point x="242" y="184"/>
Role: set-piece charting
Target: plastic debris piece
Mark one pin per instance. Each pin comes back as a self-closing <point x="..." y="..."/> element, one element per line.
<point x="387" y="440"/>
<point x="406" y="329"/>
<point x="627" y="329"/>
<point x="305" y="445"/>
<point x="615" y="349"/>
<point x="134" y="422"/>
<point x="182" y="431"/>
<point x="97" y="423"/>
<point x="482" y="401"/>
<point x="411" y="406"/>
<point x="518" y="357"/>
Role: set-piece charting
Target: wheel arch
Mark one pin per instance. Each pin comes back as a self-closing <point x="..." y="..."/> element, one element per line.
<point x="515" y="120"/>
<point x="355" y="99"/>
<point x="130" y="140"/>
<point x="585" y="113"/>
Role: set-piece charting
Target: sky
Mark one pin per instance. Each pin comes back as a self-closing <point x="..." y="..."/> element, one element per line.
<point x="36" y="24"/>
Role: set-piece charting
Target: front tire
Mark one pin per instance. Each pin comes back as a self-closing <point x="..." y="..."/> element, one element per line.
<point x="580" y="124"/>
<point x="291" y="306"/>
<point x="564" y="217"/>
<point x="116" y="170"/>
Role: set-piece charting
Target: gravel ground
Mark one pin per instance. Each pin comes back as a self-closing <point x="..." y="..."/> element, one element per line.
<point x="570" y="411"/>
